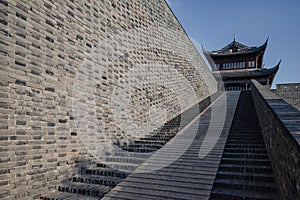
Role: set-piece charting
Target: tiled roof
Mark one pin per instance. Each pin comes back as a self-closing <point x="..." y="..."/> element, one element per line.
<point x="236" y="48"/>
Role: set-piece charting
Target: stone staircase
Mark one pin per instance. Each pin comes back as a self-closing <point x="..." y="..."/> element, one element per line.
<point x="90" y="184"/>
<point x="97" y="180"/>
<point x="245" y="171"/>
<point x="187" y="176"/>
<point x="237" y="168"/>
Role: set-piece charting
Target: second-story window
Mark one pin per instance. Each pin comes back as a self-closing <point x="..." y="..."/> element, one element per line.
<point x="251" y="64"/>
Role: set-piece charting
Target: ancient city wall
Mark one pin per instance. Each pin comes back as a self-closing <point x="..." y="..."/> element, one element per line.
<point x="280" y="127"/>
<point x="290" y="92"/>
<point x="80" y="75"/>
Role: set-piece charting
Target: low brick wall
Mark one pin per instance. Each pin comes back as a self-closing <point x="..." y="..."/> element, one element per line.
<point x="280" y="125"/>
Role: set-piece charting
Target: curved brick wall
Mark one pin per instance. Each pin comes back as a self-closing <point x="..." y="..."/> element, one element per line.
<point x="83" y="73"/>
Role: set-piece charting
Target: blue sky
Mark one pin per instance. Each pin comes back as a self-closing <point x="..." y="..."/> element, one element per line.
<point x="213" y="23"/>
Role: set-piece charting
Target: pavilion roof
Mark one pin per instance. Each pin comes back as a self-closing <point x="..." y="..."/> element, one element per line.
<point x="235" y="48"/>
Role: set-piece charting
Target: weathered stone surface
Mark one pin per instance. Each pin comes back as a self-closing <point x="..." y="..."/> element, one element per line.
<point x="279" y="122"/>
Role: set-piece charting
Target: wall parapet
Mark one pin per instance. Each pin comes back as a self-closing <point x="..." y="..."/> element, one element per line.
<point x="279" y="122"/>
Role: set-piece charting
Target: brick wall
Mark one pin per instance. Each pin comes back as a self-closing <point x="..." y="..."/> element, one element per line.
<point x="280" y="127"/>
<point x="290" y="92"/>
<point x="77" y="76"/>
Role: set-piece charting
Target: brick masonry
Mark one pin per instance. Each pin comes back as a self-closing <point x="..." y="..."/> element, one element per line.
<point x="290" y="92"/>
<point x="279" y="122"/>
<point x="76" y="73"/>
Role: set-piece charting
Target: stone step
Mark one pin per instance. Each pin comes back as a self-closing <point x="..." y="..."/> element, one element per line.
<point x="157" y="138"/>
<point x="238" y="145"/>
<point x="245" y="176"/>
<point x="106" y="172"/>
<point x="245" y="185"/>
<point x="245" y="155"/>
<point x="245" y="161"/>
<point x="154" y="142"/>
<point x="121" y="159"/>
<point x="234" y="141"/>
<point x="156" y="192"/>
<point x="245" y="168"/>
<point x="97" y="179"/>
<point x="132" y="154"/>
<point x="67" y="196"/>
<point x="242" y="150"/>
<point x="186" y="182"/>
<point x="194" y="189"/>
<point x="139" y="149"/>
<point x="126" y="167"/>
<point x="100" y="164"/>
<point x="84" y="188"/>
<point x="239" y="139"/>
<point x="145" y="145"/>
<point x="230" y="194"/>
<point x="175" y="177"/>
<point x="240" y="131"/>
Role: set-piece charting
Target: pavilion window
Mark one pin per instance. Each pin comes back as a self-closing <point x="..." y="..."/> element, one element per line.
<point x="249" y="64"/>
<point x="243" y="64"/>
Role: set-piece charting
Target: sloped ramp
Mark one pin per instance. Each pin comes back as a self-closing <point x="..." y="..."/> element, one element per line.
<point x="192" y="174"/>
